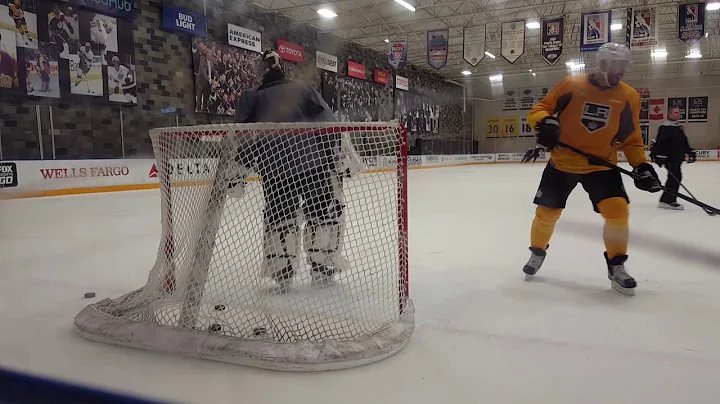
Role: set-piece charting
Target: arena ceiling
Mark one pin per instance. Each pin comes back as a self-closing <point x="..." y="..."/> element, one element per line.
<point x="371" y="22"/>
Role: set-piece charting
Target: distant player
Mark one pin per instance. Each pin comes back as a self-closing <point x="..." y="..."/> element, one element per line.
<point x="18" y="15"/>
<point x="292" y="167"/>
<point x="59" y="30"/>
<point x="8" y="69"/>
<point x="117" y="76"/>
<point x="669" y="150"/>
<point x="43" y="68"/>
<point x="591" y="112"/>
<point x="86" y="62"/>
<point x="99" y="34"/>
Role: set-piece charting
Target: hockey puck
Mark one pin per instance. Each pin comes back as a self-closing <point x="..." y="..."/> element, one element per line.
<point x="89" y="295"/>
<point x="259" y="331"/>
<point x="219" y="307"/>
<point x="215" y="328"/>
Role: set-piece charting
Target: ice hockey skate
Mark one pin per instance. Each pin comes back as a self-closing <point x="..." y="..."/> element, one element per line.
<point x="671" y="206"/>
<point x="620" y="280"/>
<point x="534" y="263"/>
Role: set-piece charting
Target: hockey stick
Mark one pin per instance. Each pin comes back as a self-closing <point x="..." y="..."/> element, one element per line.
<point x="670" y="173"/>
<point x="634" y="176"/>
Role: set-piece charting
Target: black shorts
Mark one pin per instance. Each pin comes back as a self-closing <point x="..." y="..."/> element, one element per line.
<point x="556" y="186"/>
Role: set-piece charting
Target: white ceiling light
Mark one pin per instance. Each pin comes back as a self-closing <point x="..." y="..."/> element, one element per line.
<point x="533" y="24"/>
<point x="660" y="53"/>
<point x="405" y="4"/>
<point x="466" y="72"/>
<point x="706" y="34"/>
<point x="694" y="54"/>
<point x="616" y="27"/>
<point x="534" y="75"/>
<point x="530" y="70"/>
<point x="387" y="40"/>
<point x="327" y="13"/>
<point x="495" y="78"/>
<point x="713" y="6"/>
<point x="489" y="55"/>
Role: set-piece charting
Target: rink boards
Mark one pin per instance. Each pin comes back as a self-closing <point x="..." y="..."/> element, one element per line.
<point x="28" y="179"/>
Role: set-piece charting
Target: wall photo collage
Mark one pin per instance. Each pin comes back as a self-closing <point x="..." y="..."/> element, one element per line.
<point x="54" y="49"/>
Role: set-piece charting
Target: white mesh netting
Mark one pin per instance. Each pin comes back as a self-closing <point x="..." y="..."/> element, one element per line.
<point x="283" y="246"/>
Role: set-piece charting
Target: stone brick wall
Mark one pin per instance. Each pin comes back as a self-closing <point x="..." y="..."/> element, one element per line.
<point x="85" y="129"/>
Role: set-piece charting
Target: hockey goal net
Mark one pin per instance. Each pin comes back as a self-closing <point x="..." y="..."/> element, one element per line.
<point x="283" y="246"/>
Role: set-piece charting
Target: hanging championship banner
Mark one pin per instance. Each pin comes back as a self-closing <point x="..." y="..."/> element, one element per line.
<point x="397" y="52"/>
<point x="542" y="92"/>
<point x="437" y="48"/>
<point x="691" y="23"/>
<point x="553" y="31"/>
<point x="474" y="44"/>
<point x="679" y="103"/>
<point x="512" y="39"/>
<point x="697" y="109"/>
<point x="527" y="98"/>
<point x="510" y="101"/>
<point x="595" y="30"/>
<point x="642" y="27"/>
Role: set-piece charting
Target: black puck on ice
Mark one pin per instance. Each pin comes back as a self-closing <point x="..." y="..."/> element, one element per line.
<point x="259" y="331"/>
<point x="215" y="328"/>
<point x="89" y="295"/>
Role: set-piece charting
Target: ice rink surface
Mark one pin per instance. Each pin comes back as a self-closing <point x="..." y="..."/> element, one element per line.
<point x="484" y="335"/>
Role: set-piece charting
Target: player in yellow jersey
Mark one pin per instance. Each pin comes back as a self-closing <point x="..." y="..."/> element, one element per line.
<point x="593" y="113"/>
<point x="16" y="12"/>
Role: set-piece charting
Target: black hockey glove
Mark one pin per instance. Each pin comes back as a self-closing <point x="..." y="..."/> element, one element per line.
<point x="648" y="179"/>
<point x="548" y="132"/>
<point x="692" y="157"/>
<point x="660" y="160"/>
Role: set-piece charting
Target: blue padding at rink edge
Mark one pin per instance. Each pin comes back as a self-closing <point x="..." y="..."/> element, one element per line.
<point x="18" y="388"/>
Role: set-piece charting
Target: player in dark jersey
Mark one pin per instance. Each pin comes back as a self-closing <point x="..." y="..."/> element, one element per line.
<point x="58" y="29"/>
<point x="292" y="167"/>
<point x="592" y="113"/>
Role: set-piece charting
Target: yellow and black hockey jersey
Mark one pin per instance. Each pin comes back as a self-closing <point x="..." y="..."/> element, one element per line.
<point x="15" y="11"/>
<point x="592" y="120"/>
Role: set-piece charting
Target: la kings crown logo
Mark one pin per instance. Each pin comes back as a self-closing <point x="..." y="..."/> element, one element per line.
<point x="8" y="175"/>
<point x="595" y="116"/>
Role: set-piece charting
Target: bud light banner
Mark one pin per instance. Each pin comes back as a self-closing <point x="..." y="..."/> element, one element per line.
<point x="437" y="48"/>
<point x="186" y="21"/>
<point x="115" y="8"/>
<point x="594" y="30"/>
<point x="691" y="23"/>
<point x="552" y="39"/>
<point x="397" y="52"/>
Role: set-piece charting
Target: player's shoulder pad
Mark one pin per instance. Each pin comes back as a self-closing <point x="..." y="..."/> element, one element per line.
<point x="630" y="93"/>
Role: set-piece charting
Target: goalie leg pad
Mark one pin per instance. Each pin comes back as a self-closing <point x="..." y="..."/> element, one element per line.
<point x="281" y="245"/>
<point x="325" y="229"/>
<point x="282" y="234"/>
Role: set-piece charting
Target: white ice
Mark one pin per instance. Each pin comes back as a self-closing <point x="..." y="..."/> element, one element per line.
<point x="484" y="335"/>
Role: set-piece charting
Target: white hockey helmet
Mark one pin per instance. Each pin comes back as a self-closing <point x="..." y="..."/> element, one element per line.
<point x="613" y="59"/>
<point x="269" y="60"/>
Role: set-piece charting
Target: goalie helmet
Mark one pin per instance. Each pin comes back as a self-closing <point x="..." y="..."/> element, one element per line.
<point x="269" y="61"/>
<point x="613" y="60"/>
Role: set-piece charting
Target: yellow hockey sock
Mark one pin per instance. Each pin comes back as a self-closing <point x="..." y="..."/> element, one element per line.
<point x="616" y="232"/>
<point x="543" y="226"/>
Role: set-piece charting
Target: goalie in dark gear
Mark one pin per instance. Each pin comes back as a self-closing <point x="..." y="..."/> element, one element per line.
<point x="302" y="176"/>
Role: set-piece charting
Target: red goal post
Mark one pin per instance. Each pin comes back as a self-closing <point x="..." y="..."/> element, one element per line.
<point x="206" y="294"/>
